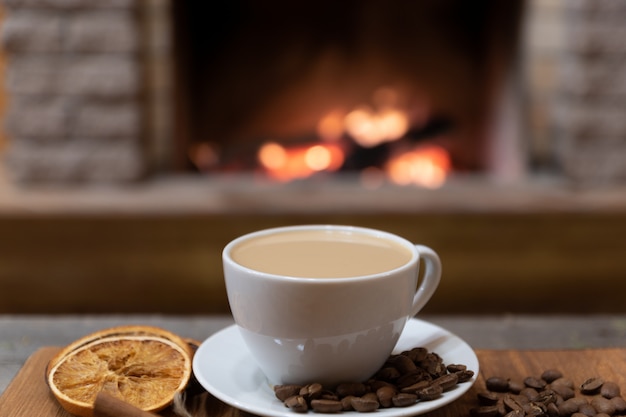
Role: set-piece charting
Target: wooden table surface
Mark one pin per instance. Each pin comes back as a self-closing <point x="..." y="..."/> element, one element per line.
<point x="28" y="394"/>
<point x="21" y="335"/>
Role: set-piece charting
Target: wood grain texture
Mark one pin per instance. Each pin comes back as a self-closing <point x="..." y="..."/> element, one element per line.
<point x="498" y="263"/>
<point x="28" y="395"/>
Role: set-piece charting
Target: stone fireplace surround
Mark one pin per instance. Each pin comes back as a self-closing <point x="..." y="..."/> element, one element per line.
<point x="78" y="89"/>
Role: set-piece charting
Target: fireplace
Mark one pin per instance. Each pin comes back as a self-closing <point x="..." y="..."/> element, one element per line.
<point x="396" y="91"/>
<point x="119" y="91"/>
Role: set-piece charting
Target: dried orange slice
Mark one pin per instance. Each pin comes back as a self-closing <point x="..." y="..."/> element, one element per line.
<point x="143" y="365"/>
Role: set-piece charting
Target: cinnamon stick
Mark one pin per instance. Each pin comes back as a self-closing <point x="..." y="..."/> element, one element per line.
<point x="107" y="405"/>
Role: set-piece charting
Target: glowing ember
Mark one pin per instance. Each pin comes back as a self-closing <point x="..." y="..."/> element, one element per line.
<point x="285" y="164"/>
<point x="272" y="156"/>
<point x="393" y="124"/>
<point x="317" y="158"/>
<point x="426" y="166"/>
<point x="369" y="128"/>
<point x="360" y="125"/>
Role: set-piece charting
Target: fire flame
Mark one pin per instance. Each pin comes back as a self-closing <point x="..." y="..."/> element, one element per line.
<point x="425" y="166"/>
<point x="285" y="164"/>
<point x="369" y="128"/>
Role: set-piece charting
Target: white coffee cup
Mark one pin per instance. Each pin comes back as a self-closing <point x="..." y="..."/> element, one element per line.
<point x="306" y="315"/>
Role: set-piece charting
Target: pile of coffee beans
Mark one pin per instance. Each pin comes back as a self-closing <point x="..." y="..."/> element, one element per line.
<point x="405" y="379"/>
<point x="549" y="395"/>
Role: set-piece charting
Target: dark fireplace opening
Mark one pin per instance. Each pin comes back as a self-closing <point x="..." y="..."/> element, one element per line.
<point x="351" y="86"/>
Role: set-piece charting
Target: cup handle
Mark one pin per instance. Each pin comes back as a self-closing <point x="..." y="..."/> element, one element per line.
<point x="430" y="280"/>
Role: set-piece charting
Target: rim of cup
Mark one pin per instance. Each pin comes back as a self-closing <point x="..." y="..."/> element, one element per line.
<point x="226" y="253"/>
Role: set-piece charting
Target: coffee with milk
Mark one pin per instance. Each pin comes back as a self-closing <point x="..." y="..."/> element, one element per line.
<point x="321" y="254"/>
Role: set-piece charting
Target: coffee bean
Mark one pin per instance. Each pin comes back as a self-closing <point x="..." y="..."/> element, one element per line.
<point x="516" y="386"/>
<point x="346" y="403"/>
<point x="497" y="384"/>
<point x="551" y="395"/>
<point x="447" y="382"/>
<point x="388" y="373"/>
<point x="534" y="409"/>
<point x="404" y="399"/>
<point x="371" y="395"/>
<point x="375" y="384"/>
<point x="453" y="368"/>
<point x="522" y="399"/>
<point x="569" y="407"/>
<point x="465" y="375"/>
<point x="501" y="408"/>
<point x="402" y="381"/>
<point x="529" y="393"/>
<point x="563" y="391"/>
<point x="311" y="391"/>
<point x="620" y="404"/>
<point x="329" y="395"/>
<point x="413" y="377"/>
<point x="580" y="401"/>
<point x="512" y="403"/>
<point x="487" y="398"/>
<point x="515" y="413"/>
<point x="610" y="390"/>
<point x="433" y="364"/>
<point x="591" y="386"/>
<point x="283" y="392"/>
<point x="563" y="382"/>
<point x="297" y="403"/>
<point x="534" y="382"/>
<point x="552" y="410"/>
<point x="417" y="354"/>
<point x="403" y="364"/>
<point x="385" y="396"/>
<point x="551" y="375"/>
<point x="588" y="410"/>
<point x="326" y="406"/>
<point x="365" y="404"/>
<point x="412" y="389"/>
<point x="545" y="397"/>
<point x="603" y="405"/>
<point x="429" y="393"/>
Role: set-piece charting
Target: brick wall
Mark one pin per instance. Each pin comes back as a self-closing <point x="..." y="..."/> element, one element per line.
<point x="590" y="102"/>
<point x="75" y="87"/>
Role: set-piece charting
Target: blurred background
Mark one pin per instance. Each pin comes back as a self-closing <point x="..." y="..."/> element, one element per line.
<point x="139" y="137"/>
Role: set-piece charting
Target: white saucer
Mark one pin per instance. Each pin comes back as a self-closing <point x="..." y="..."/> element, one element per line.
<point x="224" y="367"/>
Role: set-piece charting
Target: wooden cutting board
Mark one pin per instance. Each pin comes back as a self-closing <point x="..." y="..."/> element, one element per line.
<point x="28" y="395"/>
